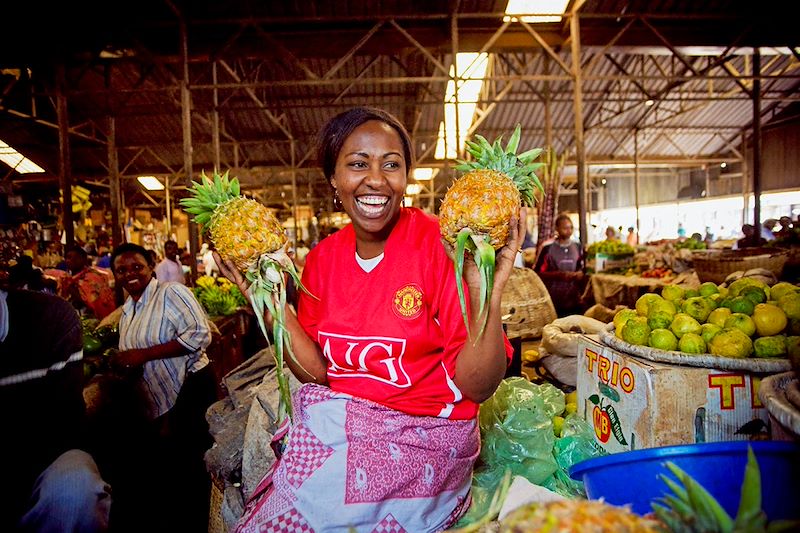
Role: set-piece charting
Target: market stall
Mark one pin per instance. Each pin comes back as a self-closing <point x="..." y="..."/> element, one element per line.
<point x="612" y="290"/>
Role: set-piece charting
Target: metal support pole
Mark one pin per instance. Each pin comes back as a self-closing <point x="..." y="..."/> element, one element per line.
<point x="580" y="157"/>
<point x="114" y="185"/>
<point x="65" y="163"/>
<point x="757" y="144"/>
<point x="186" y="119"/>
<point x="636" y="183"/>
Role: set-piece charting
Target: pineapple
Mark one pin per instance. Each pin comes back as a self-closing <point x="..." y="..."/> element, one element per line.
<point x="691" y="509"/>
<point x="476" y="210"/>
<point x="587" y="516"/>
<point x="248" y="234"/>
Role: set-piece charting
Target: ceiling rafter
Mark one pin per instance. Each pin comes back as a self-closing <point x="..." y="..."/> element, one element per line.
<point x="285" y="82"/>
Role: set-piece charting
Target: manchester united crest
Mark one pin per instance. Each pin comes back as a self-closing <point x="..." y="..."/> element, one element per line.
<point x="407" y="302"/>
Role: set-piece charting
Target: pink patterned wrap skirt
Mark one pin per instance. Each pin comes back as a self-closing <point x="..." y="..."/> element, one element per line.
<point x="350" y="464"/>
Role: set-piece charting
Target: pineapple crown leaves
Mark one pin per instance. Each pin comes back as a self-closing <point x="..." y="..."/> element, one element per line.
<point x="520" y="168"/>
<point x="691" y="507"/>
<point x="208" y="194"/>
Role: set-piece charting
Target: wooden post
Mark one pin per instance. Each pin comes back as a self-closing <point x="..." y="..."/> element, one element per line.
<point x="114" y="183"/>
<point x="64" y="160"/>
<point x="745" y="178"/>
<point x="296" y="212"/>
<point x="636" y="183"/>
<point x="580" y="158"/>
<point x="186" y="120"/>
<point x="215" y="119"/>
<point x="757" y="144"/>
<point x="454" y="51"/>
<point x="169" y="207"/>
<point x="548" y="119"/>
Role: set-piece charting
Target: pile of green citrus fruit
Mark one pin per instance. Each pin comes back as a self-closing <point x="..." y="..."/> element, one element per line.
<point x="748" y="318"/>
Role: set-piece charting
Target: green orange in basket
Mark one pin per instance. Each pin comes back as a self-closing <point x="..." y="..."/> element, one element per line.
<point x="692" y="343"/>
<point x="742" y="322"/>
<point x="731" y="342"/>
<point x="773" y="346"/>
<point x="663" y="339"/>
<point x="781" y="289"/>
<point x="699" y="308"/>
<point x="741" y="304"/>
<point x="662" y="305"/>
<point x="754" y="294"/>
<point x="672" y="292"/>
<point x="738" y="286"/>
<point x="683" y="324"/>
<point x="790" y="303"/>
<point x="709" y="331"/>
<point x="658" y="319"/>
<point x="708" y="288"/>
<point x="623" y="316"/>
<point x="636" y="331"/>
<point x="644" y="302"/>
<point x="719" y="315"/>
<point x="769" y="319"/>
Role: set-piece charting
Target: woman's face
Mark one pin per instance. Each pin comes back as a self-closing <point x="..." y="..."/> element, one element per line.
<point x="564" y="229"/>
<point x="132" y="273"/>
<point x="370" y="178"/>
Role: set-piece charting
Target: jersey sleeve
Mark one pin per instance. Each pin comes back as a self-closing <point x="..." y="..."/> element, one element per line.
<point x="308" y="308"/>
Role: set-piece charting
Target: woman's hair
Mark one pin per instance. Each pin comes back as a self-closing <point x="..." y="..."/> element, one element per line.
<point x="562" y="216"/>
<point x="338" y="129"/>
<point x="78" y="250"/>
<point x="129" y="247"/>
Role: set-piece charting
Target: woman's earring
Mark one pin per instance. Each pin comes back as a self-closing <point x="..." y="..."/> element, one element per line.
<point x="337" y="202"/>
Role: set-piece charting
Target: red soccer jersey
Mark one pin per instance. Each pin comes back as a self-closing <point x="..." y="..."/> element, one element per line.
<point x="391" y="335"/>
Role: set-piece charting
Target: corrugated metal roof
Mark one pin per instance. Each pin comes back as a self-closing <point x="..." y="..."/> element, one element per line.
<point x="274" y="95"/>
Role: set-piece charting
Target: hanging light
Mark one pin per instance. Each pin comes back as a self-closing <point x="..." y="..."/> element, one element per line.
<point x="151" y="183"/>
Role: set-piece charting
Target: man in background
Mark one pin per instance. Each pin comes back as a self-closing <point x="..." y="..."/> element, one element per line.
<point x="86" y="288"/>
<point x="49" y="483"/>
<point x="170" y="268"/>
<point x="632" y="239"/>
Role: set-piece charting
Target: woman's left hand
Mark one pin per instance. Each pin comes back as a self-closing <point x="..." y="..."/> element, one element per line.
<point x="128" y="359"/>
<point x="504" y="257"/>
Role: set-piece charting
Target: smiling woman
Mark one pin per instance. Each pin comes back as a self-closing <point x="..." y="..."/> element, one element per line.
<point x="368" y="172"/>
<point x="388" y="435"/>
<point x="163" y="334"/>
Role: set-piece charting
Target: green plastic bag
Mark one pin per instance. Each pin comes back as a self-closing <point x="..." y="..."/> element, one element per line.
<point x="517" y="429"/>
<point x="517" y="436"/>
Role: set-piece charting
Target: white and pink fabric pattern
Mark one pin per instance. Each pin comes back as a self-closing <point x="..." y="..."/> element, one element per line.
<point x="352" y="464"/>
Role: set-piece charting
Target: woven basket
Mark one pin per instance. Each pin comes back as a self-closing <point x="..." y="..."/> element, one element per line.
<point x="716" y="265"/>
<point x="526" y="306"/>
<point x="215" y="522"/>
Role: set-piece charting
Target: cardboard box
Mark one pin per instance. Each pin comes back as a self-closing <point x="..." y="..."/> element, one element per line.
<point x="634" y="403"/>
<point x="605" y="262"/>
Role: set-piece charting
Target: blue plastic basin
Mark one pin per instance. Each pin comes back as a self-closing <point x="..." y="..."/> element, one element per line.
<point x="634" y="477"/>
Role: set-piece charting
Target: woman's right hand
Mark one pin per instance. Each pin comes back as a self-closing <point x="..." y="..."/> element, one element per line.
<point x="228" y="269"/>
